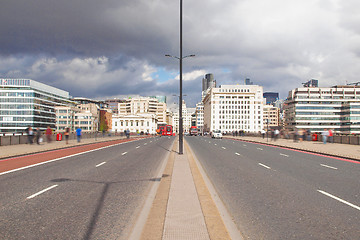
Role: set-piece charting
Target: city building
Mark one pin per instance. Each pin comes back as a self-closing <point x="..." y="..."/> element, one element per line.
<point x="114" y="104"/>
<point x="311" y="83"/>
<point x="199" y="113"/>
<point x="25" y="102"/>
<point x="234" y="108"/>
<point x="271" y="97"/>
<point x="186" y="115"/>
<point x="248" y="82"/>
<point x="316" y="109"/>
<point x="133" y="106"/>
<point x="208" y="82"/>
<point x="137" y="123"/>
<point x="271" y="117"/>
<point x="65" y="116"/>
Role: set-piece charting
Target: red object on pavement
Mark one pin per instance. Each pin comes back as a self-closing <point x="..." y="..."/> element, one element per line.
<point x="58" y="137"/>
<point x="314" y="137"/>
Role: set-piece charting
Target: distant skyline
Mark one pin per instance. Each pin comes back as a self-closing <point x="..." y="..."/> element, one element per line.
<point x="106" y="49"/>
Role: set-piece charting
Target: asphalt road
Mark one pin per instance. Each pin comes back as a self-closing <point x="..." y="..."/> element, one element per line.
<point x="277" y="193"/>
<point x="95" y="195"/>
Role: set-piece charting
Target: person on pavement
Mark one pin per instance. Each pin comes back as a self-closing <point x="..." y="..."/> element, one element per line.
<point x="78" y="134"/>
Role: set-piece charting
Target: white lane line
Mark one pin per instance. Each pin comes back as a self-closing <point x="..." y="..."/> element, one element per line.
<point x="137" y="146"/>
<point x="328" y="166"/>
<point x="263" y="165"/>
<point x="244" y="145"/>
<point x="57" y="159"/>
<point x="339" y="199"/>
<point x="37" y="194"/>
<point x="215" y="144"/>
<point x="100" y="164"/>
<point x="151" y="141"/>
<point x="238" y="154"/>
<point x="284" y="155"/>
<point x="223" y="147"/>
<point x="259" y="149"/>
<point x="124" y="153"/>
<point x="145" y="143"/>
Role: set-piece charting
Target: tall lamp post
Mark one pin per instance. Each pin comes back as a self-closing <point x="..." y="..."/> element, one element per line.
<point x="181" y="136"/>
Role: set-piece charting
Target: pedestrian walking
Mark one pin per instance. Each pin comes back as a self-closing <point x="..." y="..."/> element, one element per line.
<point x="78" y="134"/>
<point x="331" y="134"/>
<point x="67" y="134"/>
<point x="30" y="135"/>
<point x="325" y="135"/>
<point x="263" y="133"/>
<point x="48" y="134"/>
<point x="127" y="133"/>
<point x="276" y="134"/>
<point x="38" y="136"/>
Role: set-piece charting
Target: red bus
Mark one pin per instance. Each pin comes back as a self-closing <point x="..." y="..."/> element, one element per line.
<point x="193" y="131"/>
<point x="168" y="130"/>
<point x="165" y="130"/>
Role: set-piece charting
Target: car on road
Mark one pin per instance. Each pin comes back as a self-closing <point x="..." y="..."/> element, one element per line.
<point x="216" y="134"/>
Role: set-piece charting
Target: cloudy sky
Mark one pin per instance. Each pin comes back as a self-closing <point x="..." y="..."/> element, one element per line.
<point x="111" y="48"/>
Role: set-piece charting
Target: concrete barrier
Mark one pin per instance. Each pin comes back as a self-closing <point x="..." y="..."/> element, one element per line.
<point x="354" y="140"/>
<point x="345" y="139"/>
<point x="5" y="141"/>
<point x="14" y="140"/>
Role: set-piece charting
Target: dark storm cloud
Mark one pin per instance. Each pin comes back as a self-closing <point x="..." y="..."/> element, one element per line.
<point x="98" y="49"/>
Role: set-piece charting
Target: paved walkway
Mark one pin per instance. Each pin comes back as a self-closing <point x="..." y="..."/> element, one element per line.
<point x="22" y="149"/>
<point x="333" y="149"/>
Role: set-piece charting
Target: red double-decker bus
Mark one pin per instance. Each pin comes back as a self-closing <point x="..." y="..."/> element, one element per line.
<point x="168" y="131"/>
<point x="164" y="130"/>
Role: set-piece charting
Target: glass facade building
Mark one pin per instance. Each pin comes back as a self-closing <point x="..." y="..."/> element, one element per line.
<point x="25" y="102"/>
<point x="316" y="109"/>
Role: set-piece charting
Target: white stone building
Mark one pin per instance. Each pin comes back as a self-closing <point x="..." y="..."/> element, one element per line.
<point x="234" y="108"/>
<point x="135" y="123"/>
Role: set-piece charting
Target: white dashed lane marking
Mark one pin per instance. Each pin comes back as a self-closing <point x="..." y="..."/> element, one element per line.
<point x="41" y="192"/>
<point x="263" y="165"/>
<point x="328" y="166"/>
<point x="100" y="164"/>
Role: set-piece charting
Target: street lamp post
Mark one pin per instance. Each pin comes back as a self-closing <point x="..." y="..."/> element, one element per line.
<point x="181" y="136"/>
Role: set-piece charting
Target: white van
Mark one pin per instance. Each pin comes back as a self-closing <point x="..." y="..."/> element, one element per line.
<point x="216" y="134"/>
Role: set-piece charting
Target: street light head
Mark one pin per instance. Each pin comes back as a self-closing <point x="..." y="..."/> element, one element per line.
<point x="167" y="55"/>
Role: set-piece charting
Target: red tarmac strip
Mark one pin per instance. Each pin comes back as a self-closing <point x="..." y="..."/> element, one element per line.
<point x="27" y="160"/>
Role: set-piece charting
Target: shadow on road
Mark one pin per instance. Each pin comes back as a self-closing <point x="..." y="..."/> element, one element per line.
<point x="100" y="203"/>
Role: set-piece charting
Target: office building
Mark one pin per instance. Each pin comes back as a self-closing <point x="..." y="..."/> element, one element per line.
<point x="271" y="117"/>
<point x="234" y="108"/>
<point x="135" y="123"/>
<point x="133" y="106"/>
<point x="311" y="83"/>
<point x="271" y="97"/>
<point x="248" y="82"/>
<point x="25" y="102"/>
<point x="316" y="109"/>
<point x="208" y="82"/>
<point x="199" y="113"/>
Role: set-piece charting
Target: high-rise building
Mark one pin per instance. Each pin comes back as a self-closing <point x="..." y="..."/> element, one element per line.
<point x="233" y="108"/>
<point x="311" y="83"/>
<point x="248" y="82"/>
<point x="271" y="97"/>
<point x="25" y="102"/>
<point x="316" y="109"/>
<point x="208" y="82"/>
